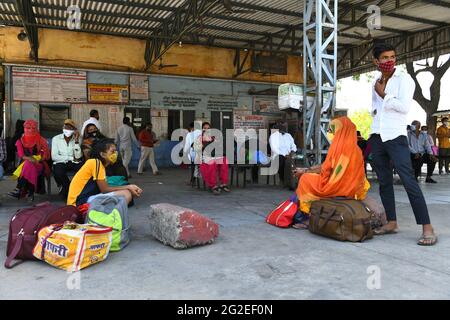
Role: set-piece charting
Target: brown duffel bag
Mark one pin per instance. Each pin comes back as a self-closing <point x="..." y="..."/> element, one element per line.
<point x="344" y="220"/>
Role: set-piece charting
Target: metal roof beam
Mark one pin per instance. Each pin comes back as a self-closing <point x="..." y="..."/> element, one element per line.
<point x="248" y="21"/>
<point x="131" y="4"/>
<point x="204" y="40"/>
<point x="409" y="51"/>
<point x="418" y="19"/>
<point x="391" y="13"/>
<point x="99" y="13"/>
<point x="191" y="35"/>
<point x="233" y="3"/>
<point x="179" y="23"/>
<point x="437" y="3"/>
<point x="146" y="18"/>
<point x="25" y="11"/>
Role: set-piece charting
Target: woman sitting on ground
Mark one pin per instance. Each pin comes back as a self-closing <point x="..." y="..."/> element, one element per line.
<point x="211" y="166"/>
<point x="90" y="180"/>
<point x="33" y="151"/>
<point x="341" y="175"/>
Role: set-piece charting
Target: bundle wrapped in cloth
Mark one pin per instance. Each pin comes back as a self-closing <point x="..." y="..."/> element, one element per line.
<point x="72" y="246"/>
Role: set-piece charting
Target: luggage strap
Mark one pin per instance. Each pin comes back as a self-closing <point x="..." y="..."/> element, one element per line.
<point x="15" y="251"/>
<point x="328" y="217"/>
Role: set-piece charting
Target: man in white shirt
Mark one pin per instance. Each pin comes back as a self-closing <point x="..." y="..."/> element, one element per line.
<point x="281" y="145"/>
<point x="188" y="148"/>
<point x="392" y="95"/>
<point x="66" y="156"/>
<point x="94" y="117"/>
<point x="125" y="138"/>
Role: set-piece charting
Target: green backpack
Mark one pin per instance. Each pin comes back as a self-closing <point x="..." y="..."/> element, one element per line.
<point x="111" y="211"/>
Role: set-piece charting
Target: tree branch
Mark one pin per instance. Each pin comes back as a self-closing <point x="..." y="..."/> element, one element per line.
<point x="443" y="68"/>
<point x="418" y="95"/>
<point x="427" y="69"/>
<point x="435" y="62"/>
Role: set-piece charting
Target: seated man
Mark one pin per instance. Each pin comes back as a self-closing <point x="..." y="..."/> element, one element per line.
<point x="282" y="145"/>
<point x="188" y="149"/>
<point x="66" y="155"/>
<point x="341" y="175"/>
<point x="421" y="152"/>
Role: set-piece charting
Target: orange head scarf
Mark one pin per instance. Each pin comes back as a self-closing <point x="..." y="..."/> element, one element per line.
<point x="342" y="174"/>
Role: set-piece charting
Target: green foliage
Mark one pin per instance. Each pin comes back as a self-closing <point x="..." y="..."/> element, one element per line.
<point x="363" y="120"/>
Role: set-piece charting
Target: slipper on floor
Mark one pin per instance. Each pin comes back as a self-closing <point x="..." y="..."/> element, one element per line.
<point x="300" y="226"/>
<point x="424" y="238"/>
<point x="382" y="231"/>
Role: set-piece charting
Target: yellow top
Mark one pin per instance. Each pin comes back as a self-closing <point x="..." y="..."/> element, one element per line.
<point x="92" y="169"/>
<point x="443" y="137"/>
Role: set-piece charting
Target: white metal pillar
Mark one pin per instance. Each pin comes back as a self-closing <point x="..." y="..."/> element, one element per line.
<point x="319" y="73"/>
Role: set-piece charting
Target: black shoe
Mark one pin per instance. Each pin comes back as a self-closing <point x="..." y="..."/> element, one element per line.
<point x="429" y="180"/>
<point x="14" y="194"/>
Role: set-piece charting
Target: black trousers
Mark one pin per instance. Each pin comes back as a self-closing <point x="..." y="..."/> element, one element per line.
<point x="444" y="159"/>
<point x="281" y="165"/>
<point x="60" y="171"/>
<point x="418" y="163"/>
<point x="397" y="151"/>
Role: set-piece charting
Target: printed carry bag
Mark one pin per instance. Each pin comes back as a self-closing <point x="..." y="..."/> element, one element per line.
<point x="72" y="246"/>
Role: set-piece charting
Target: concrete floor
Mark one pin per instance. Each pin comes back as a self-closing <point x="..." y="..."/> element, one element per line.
<point x="250" y="259"/>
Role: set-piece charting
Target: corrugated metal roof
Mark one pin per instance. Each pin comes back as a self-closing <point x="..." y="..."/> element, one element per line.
<point x="248" y="20"/>
<point x="264" y="16"/>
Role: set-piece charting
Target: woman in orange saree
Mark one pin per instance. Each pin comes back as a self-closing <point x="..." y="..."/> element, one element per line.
<point x="341" y="175"/>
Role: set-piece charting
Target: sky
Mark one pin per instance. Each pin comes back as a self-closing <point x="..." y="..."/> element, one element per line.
<point x="356" y="95"/>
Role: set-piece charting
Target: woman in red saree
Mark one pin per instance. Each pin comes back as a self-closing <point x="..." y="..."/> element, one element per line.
<point x="210" y="165"/>
<point x="33" y="151"/>
<point x="341" y="175"/>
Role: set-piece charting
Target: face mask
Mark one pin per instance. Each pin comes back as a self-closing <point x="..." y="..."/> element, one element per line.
<point x="330" y="136"/>
<point x="68" y="133"/>
<point x="425" y="131"/>
<point x="93" y="134"/>
<point x="413" y="127"/>
<point x="113" y="157"/>
<point x="445" y="123"/>
<point x="386" y="67"/>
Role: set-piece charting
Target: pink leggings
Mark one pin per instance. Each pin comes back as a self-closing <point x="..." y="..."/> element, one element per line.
<point x="209" y="172"/>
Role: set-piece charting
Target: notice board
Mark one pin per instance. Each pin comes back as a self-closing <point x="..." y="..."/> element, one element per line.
<point x="139" y="87"/>
<point x="40" y="84"/>
<point x="108" y="93"/>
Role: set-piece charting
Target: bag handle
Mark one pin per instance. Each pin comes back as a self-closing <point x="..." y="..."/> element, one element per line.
<point x="327" y="219"/>
<point x="342" y="198"/>
<point x="15" y="251"/>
